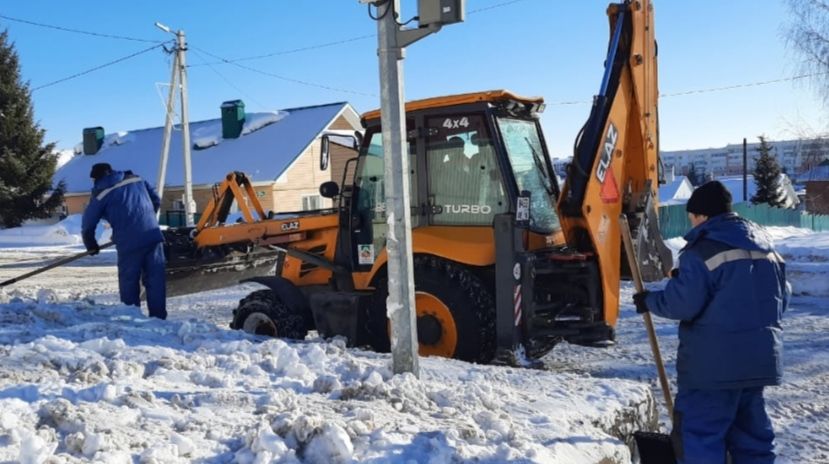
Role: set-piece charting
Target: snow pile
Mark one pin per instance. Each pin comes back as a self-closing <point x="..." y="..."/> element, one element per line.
<point x="65" y="232"/>
<point x="807" y="263"/>
<point x="256" y="121"/>
<point x="81" y="381"/>
<point x="211" y="134"/>
<point x="806" y="254"/>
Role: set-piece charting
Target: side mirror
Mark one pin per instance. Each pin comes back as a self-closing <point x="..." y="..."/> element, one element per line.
<point x="324" y="153"/>
<point x="329" y="189"/>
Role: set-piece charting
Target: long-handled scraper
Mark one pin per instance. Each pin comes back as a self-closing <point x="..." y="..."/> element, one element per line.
<point x="57" y="263"/>
<point x="654" y="448"/>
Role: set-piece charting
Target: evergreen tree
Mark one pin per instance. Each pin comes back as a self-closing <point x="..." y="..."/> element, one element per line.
<point x="767" y="177"/>
<point x="26" y="165"/>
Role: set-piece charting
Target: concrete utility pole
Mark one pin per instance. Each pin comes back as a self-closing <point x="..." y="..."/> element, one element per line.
<point x="392" y="41"/>
<point x="168" y="129"/>
<point x="180" y="74"/>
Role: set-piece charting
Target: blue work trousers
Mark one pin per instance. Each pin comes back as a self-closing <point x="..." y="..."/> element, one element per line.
<point x="144" y="265"/>
<point x="707" y="423"/>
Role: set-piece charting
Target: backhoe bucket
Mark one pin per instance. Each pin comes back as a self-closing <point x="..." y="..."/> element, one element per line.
<point x="654" y="257"/>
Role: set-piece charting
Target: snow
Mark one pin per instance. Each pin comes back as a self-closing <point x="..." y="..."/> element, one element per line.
<point x="94" y="381"/>
<point x="734" y="184"/>
<point x="83" y="378"/>
<point x="210" y="134"/>
<point x="64" y="156"/>
<point x="65" y="232"/>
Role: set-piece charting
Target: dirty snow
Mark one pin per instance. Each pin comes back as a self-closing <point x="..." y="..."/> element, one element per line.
<point x="83" y="378"/>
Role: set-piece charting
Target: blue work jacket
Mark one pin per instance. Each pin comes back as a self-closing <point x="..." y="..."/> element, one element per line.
<point x="128" y="204"/>
<point x="729" y="297"/>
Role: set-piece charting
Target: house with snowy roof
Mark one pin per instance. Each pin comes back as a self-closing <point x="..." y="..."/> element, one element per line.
<point x="675" y="191"/>
<point x="278" y="151"/>
<point x="816" y="181"/>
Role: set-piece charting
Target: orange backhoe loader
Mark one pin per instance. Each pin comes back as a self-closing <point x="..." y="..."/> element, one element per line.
<point x="506" y="262"/>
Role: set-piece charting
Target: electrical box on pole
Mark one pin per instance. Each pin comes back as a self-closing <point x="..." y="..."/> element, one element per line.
<point x="440" y="12"/>
<point x="392" y="40"/>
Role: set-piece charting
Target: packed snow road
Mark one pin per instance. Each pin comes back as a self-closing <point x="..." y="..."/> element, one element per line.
<point x="83" y="378"/>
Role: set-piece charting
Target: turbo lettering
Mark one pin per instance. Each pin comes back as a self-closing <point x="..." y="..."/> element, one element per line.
<point x="467" y="209"/>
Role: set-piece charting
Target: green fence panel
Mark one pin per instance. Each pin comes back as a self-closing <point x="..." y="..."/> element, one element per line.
<point x="673" y="220"/>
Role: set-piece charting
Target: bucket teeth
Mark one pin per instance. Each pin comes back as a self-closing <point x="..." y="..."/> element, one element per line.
<point x="654" y="257"/>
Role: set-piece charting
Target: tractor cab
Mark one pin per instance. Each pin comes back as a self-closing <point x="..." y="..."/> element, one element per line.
<point x="471" y="158"/>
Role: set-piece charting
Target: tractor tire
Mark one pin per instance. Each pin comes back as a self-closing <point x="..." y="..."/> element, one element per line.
<point x="263" y="313"/>
<point x="455" y="312"/>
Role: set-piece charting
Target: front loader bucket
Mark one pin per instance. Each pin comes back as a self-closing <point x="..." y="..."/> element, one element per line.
<point x="192" y="270"/>
<point x="210" y="274"/>
<point x="654" y="257"/>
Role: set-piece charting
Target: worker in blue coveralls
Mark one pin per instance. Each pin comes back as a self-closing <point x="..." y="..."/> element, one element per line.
<point x="729" y="295"/>
<point x="129" y="205"/>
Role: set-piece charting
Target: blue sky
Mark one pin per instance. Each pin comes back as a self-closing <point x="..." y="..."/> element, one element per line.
<point x="551" y="48"/>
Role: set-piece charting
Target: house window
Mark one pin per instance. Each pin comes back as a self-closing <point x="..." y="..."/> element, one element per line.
<point x="311" y="202"/>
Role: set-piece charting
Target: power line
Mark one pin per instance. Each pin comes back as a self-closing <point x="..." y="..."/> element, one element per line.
<point x="337" y="42"/>
<point x="77" y="31"/>
<point x="294" y="50"/>
<point x="96" y="68"/>
<point x="707" y="90"/>
<point x="229" y="82"/>
<point x="739" y="86"/>
<point x="492" y="7"/>
<point x="287" y="79"/>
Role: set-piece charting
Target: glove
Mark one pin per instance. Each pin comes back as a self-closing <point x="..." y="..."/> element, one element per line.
<point x="93" y="250"/>
<point x="674" y="273"/>
<point x="639" y="301"/>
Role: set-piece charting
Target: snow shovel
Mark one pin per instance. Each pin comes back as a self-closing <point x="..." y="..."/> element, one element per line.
<point x="654" y="448"/>
<point x="57" y="263"/>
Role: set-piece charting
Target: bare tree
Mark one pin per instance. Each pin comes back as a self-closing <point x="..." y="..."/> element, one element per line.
<point x="808" y="35"/>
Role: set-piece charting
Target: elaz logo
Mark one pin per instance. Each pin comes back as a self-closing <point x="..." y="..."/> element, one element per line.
<point x="293" y="225"/>
<point x="607" y="153"/>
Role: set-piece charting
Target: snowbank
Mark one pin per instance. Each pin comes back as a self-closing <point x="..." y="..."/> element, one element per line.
<point x="66" y="232"/>
<point x="806" y="254"/>
<point x="87" y="382"/>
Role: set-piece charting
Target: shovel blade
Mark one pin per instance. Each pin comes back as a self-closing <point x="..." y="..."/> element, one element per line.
<point x="654" y="448"/>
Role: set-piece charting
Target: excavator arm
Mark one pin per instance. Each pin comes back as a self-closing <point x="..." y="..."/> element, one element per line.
<point x="615" y="168"/>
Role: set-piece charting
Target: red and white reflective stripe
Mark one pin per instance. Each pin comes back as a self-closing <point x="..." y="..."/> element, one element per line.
<point x="516" y="298"/>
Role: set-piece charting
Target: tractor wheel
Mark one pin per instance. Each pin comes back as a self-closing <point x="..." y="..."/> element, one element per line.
<point x="455" y="312"/>
<point x="263" y="313"/>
